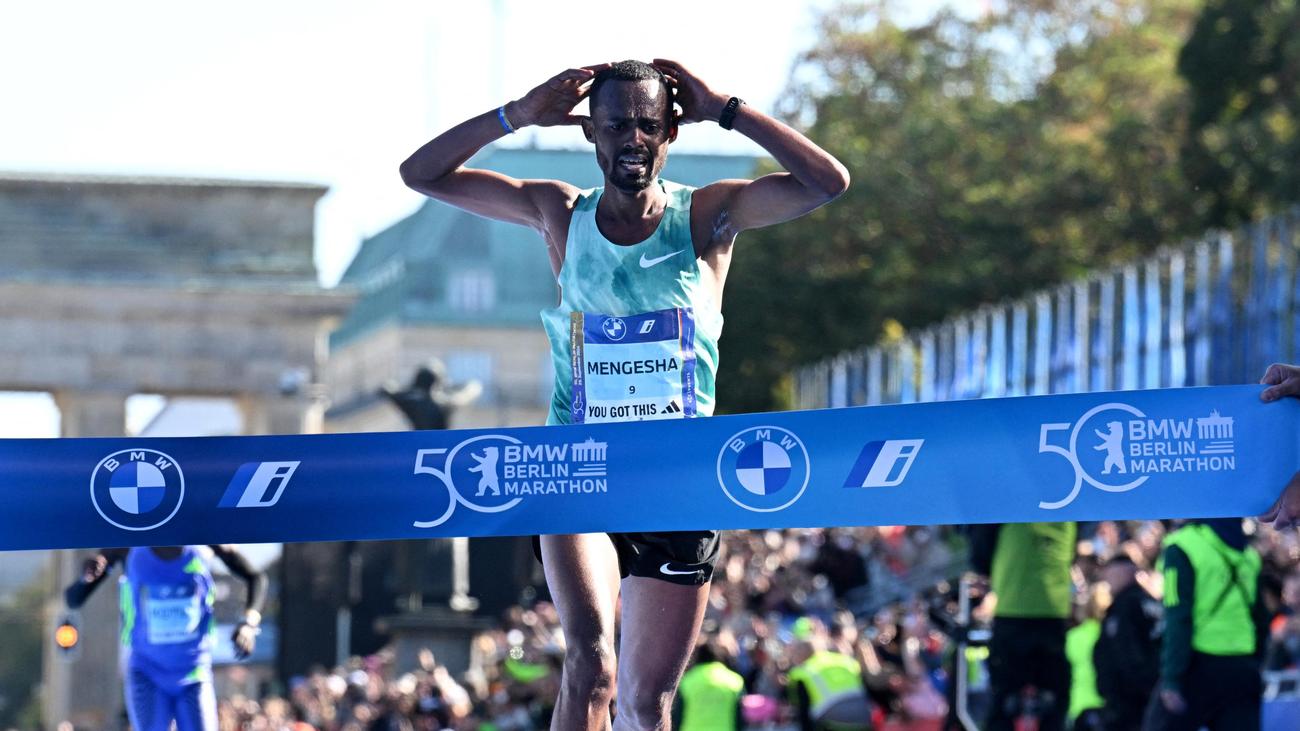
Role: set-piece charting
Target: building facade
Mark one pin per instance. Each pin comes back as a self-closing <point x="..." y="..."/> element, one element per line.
<point x="111" y="287"/>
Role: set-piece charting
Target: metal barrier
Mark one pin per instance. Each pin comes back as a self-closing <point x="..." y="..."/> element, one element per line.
<point x="1281" y="711"/>
<point x="1212" y="312"/>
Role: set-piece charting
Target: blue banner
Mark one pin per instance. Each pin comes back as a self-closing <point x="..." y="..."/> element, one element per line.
<point x="1203" y="452"/>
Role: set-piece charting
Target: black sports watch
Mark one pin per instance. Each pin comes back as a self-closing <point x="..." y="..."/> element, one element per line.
<point x="729" y="112"/>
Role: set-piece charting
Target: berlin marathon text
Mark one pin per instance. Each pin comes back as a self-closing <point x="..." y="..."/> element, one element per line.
<point x="584" y="486"/>
<point x="1183" y="464"/>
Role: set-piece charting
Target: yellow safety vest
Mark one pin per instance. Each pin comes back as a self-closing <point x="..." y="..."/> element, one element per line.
<point x="1031" y="569"/>
<point x="1226" y="583"/>
<point x="830" y="678"/>
<point x="1079" y="644"/>
<point x="710" y="693"/>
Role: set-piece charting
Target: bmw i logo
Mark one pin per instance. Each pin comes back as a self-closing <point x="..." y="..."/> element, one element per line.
<point x="137" y="489"/>
<point x="763" y="468"/>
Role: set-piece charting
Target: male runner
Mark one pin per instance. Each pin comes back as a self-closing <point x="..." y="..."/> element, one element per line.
<point x="167" y="629"/>
<point x="641" y="264"/>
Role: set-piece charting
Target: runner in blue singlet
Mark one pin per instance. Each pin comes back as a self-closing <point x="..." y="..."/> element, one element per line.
<point x="168" y="629"/>
<point x="641" y="264"/>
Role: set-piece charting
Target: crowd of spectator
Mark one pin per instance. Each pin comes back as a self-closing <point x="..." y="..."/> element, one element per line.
<point x="881" y="595"/>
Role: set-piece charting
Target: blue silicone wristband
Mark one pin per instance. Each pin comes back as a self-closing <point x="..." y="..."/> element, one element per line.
<point x="505" y="123"/>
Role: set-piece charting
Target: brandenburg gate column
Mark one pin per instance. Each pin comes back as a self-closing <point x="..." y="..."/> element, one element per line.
<point x="277" y="414"/>
<point x="91" y="413"/>
<point x="84" y="413"/>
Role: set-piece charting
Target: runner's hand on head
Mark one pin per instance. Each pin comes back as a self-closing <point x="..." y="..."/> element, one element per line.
<point x="552" y="102"/>
<point x="698" y="101"/>
<point x="1282" y="379"/>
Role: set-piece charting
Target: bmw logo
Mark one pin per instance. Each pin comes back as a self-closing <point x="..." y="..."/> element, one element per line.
<point x="137" y="489"/>
<point x="614" y="328"/>
<point x="763" y="468"/>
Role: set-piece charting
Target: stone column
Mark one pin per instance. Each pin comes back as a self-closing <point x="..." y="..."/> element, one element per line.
<point x="91" y="413"/>
<point x="88" y="690"/>
<point x="275" y="414"/>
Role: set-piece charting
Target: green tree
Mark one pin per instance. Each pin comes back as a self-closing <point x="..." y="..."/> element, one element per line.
<point x="22" y="622"/>
<point x="1242" y="64"/>
<point x="990" y="156"/>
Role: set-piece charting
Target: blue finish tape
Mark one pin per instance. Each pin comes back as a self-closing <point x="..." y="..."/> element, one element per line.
<point x="1197" y="452"/>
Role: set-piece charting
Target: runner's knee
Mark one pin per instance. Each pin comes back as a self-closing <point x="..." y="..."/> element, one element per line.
<point x="645" y="709"/>
<point x="590" y="669"/>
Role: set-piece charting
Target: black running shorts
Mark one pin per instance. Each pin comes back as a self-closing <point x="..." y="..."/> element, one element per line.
<point x="683" y="557"/>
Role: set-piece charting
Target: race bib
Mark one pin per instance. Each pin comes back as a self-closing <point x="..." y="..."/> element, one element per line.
<point x="172" y="613"/>
<point x="633" y="368"/>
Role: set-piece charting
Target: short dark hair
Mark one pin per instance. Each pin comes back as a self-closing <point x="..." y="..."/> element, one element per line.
<point x="705" y="653"/>
<point x="630" y="70"/>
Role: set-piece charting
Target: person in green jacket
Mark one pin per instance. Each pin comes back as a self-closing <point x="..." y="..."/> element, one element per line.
<point x="709" y="697"/>
<point x="1215" y="625"/>
<point x="1028" y="565"/>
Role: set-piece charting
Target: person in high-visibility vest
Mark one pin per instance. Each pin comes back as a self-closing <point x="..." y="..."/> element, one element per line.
<point x="1084" y="712"/>
<point x="826" y="687"/>
<point x="1028" y="565"/>
<point x="1215" y="625"/>
<point x="709" y="697"/>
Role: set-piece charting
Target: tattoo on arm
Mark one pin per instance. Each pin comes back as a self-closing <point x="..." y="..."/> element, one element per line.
<point x="723" y="230"/>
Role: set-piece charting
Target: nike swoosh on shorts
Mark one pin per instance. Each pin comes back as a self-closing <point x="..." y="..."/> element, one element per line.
<point x="647" y="263"/>
<point x="667" y="571"/>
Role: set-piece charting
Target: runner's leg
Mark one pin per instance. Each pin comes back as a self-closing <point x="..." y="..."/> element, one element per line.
<point x="583" y="576"/>
<point x="661" y="621"/>
<point x="146" y="704"/>
<point x="196" y="707"/>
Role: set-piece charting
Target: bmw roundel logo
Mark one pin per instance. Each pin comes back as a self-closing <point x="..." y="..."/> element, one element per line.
<point x="763" y="468"/>
<point x="137" y="489"/>
<point x="614" y="328"/>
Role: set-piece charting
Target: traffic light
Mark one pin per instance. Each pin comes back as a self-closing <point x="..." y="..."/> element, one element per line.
<point x="68" y="639"/>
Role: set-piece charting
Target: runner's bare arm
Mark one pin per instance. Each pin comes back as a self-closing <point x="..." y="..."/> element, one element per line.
<point x="812" y="178"/>
<point x="437" y="168"/>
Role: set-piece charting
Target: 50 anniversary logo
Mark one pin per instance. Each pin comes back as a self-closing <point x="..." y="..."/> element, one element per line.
<point x="1123" y="447"/>
<point x="495" y="472"/>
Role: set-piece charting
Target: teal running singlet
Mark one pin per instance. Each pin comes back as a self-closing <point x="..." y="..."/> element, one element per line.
<point x="635" y="335"/>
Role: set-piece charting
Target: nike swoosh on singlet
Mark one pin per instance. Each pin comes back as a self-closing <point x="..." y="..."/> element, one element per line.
<point x="667" y="570"/>
<point x="647" y="263"/>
